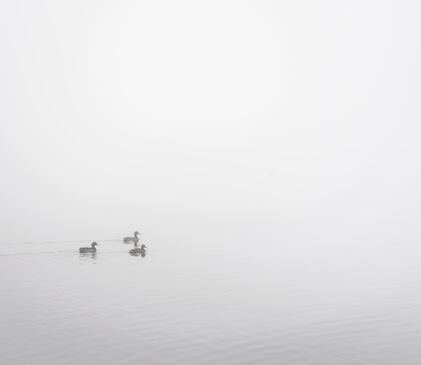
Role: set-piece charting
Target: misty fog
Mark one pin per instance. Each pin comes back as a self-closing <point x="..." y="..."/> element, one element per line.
<point x="228" y="121"/>
<point x="267" y="151"/>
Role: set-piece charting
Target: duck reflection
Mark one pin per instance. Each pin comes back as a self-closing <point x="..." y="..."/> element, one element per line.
<point x="138" y="251"/>
<point x="88" y="257"/>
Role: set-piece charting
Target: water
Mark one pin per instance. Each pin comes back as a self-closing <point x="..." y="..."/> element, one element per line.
<point x="212" y="304"/>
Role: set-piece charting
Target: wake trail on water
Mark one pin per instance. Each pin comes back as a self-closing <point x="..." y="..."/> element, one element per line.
<point x="57" y="242"/>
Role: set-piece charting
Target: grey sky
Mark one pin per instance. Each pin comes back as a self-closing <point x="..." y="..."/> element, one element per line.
<point x="265" y="120"/>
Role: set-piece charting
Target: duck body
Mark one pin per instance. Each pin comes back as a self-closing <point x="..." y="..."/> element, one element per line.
<point x="91" y="249"/>
<point x="134" y="239"/>
<point x="138" y="251"/>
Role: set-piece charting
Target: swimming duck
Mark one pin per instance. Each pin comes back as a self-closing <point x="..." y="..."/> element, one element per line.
<point x="138" y="251"/>
<point x="134" y="239"/>
<point x="89" y="249"/>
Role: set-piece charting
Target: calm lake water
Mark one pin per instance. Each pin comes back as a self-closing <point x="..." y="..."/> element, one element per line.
<point x="209" y="304"/>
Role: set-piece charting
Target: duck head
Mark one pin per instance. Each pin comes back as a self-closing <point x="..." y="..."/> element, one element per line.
<point x="136" y="233"/>
<point x="93" y="244"/>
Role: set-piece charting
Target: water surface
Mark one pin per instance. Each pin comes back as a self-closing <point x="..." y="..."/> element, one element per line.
<point x="213" y="304"/>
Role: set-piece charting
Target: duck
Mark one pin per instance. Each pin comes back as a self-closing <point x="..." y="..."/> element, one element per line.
<point x="134" y="239"/>
<point x="89" y="249"/>
<point x="138" y="251"/>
